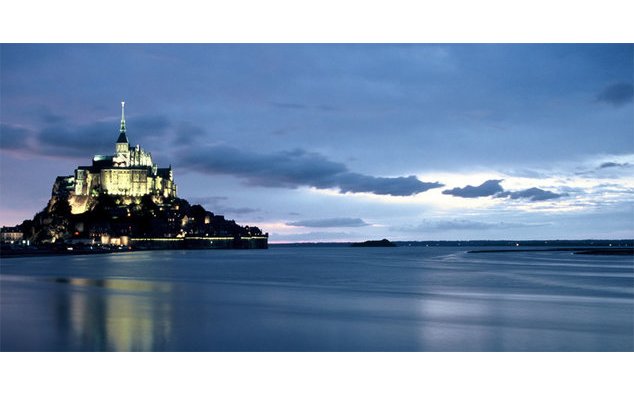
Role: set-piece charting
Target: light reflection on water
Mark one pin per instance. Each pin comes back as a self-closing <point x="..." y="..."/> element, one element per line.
<point x="327" y="299"/>
<point x="137" y="320"/>
<point x="80" y="314"/>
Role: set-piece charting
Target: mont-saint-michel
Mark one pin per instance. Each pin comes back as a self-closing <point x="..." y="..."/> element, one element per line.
<point x="125" y="200"/>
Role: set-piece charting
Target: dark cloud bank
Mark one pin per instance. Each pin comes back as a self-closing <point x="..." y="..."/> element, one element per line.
<point x="614" y="165"/>
<point x="492" y="188"/>
<point x="532" y="194"/>
<point x="13" y="137"/>
<point x="617" y="94"/>
<point x="287" y="169"/>
<point x="59" y="138"/>
<point x="292" y="169"/>
<point x="486" y="189"/>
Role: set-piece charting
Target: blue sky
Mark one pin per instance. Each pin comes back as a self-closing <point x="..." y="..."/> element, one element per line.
<point x="341" y="142"/>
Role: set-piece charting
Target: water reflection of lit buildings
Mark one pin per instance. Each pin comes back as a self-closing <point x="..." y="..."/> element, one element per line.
<point x="119" y="314"/>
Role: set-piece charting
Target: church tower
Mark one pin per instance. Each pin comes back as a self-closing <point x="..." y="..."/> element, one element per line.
<point x="122" y="146"/>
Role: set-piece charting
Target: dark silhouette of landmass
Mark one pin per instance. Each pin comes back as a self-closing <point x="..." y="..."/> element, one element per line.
<point x="117" y="222"/>
<point x="381" y="243"/>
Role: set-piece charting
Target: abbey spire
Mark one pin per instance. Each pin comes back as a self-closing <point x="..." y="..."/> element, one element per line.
<point x="122" y="143"/>
<point x="122" y="129"/>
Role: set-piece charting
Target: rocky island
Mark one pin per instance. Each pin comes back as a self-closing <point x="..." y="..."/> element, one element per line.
<point x="382" y="243"/>
<point x="126" y="201"/>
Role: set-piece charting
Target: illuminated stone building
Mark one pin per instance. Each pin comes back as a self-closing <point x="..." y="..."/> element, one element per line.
<point x="129" y="173"/>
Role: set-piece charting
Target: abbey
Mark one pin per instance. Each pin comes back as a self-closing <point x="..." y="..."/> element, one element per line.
<point x="130" y="172"/>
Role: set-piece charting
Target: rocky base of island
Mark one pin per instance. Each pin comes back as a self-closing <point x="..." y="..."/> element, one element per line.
<point x="115" y="223"/>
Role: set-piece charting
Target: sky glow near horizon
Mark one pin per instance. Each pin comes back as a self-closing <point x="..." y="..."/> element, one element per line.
<point x="318" y="142"/>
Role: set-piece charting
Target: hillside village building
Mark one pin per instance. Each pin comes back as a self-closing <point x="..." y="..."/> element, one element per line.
<point x="11" y="234"/>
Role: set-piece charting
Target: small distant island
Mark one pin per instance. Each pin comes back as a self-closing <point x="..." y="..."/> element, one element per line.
<point x="382" y="243"/>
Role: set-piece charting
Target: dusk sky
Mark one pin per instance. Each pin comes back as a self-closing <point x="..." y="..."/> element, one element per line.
<point x="340" y="142"/>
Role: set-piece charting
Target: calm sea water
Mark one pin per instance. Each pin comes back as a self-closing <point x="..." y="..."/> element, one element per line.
<point x="318" y="299"/>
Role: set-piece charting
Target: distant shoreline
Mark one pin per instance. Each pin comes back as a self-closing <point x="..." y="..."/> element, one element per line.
<point x="589" y="247"/>
<point x="608" y="251"/>
<point x="548" y="244"/>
